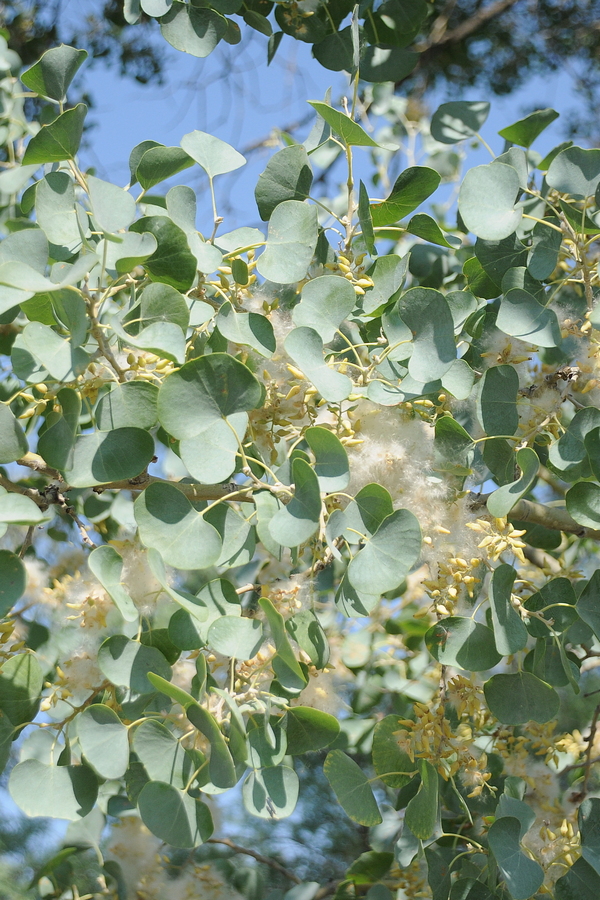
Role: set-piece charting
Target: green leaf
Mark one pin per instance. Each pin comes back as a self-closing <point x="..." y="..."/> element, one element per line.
<point x="271" y="792"/>
<point x="174" y="816"/>
<point x="486" y="201"/>
<point x="559" y="595"/>
<point x="161" y="754"/>
<point x="13" y="443"/>
<point x="425" y="227"/>
<point x="305" y="347"/>
<point x="523" y="876"/>
<point x="371" y="866"/>
<point x="525" y="131"/>
<point x="388" y="555"/>
<point x="501" y="502"/>
<point x="103" y="740"/>
<point x="212" y="456"/>
<point x="168" y="522"/>
<point x="394" y="767"/>
<point x="291" y="242"/>
<point x="381" y="64"/>
<point x="157" y="163"/>
<point x="60" y="359"/>
<point x="521" y="316"/>
<point x="191" y="29"/>
<point x="13" y="577"/>
<point x="21" y="682"/>
<point x="583" y="504"/>
<point x="543" y="255"/>
<point x="288" y="176"/>
<point x="352" y="789"/>
<point x="364" y="515"/>
<point x="285" y="665"/>
<point x="458" y="120"/>
<point x="106" y="456"/>
<point x="17" y="509"/>
<point x="309" y="729"/>
<point x="308" y="633"/>
<point x="172" y="262"/>
<point x="464" y="643"/>
<point x="335" y="52"/>
<point x="52" y="74"/>
<point x="58" y="792"/>
<point x="428" y="316"/>
<point x="331" y="459"/>
<point x="366" y="220"/>
<point x="112" y="207"/>
<point x="497" y="257"/>
<point x="126" y="663"/>
<point x="497" y="401"/>
<point x="411" y="188"/>
<point x="568" y="456"/>
<point x="58" y="141"/>
<point x="129" y="405"/>
<point x="325" y="302"/>
<point x="165" y="339"/>
<point x="580" y="882"/>
<point x="388" y="274"/>
<point x="221" y="768"/>
<point x="592" y="445"/>
<point x="588" y="817"/>
<point x="588" y="604"/>
<point x="422" y="812"/>
<point x="251" y="329"/>
<point x="350" y="132"/>
<point x="205" y="391"/>
<point x="453" y="447"/>
<point x="296" y="523"/>
<point x="514" y="807"/>
<point x="575" y="171"/>
<point x="107" y="565"/>
<point x="519" y="698"/>
<point x="510" y="633"/>
<point x="214" y="155"/>
<point x="235" y="637"/>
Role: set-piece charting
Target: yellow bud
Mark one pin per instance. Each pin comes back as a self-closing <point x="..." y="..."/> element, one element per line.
<point x="41" y="387"/>
<point x="27" y="414"/>
<point x="358" y="290"/>
<point x="131" y="358"/>
<point x="29" y="397"/>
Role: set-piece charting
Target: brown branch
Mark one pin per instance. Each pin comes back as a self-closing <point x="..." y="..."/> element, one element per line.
<point x="551" y="517"/>
<point x="193" y="492"/>
<point x="481" y="18"/>
<point x="258" y="857"/>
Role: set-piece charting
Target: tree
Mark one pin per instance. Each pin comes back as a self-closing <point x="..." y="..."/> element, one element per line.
<point x="314" y="504"/>
<point x="495" y="45"/>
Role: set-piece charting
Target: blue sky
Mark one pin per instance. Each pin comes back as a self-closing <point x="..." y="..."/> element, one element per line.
<point x="234" y="95"/>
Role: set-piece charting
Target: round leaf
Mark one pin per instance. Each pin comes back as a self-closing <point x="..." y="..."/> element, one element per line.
<point x="519" y="698"/>
<point x="464" y="643"/>
<point x="214" y="155"/>
<point x="103" y="740"/>
<point x="387" y="557"/>
<point x="203" y="392"/>
<point x="168" y="522"/>
<point x="59" y="792"/>
<point x="487" y="201"/>
<point x="326" y="301"/>
<point x="291" y="242"/>
<point x="109" y="456"/>
<point x="235" y="636"/>
<point x="174" y="816"/>
<point x="352" y="789"/>
<point x="271" y="793"/>
<point x="126" y="663"/>
<point x="309" y="729"/>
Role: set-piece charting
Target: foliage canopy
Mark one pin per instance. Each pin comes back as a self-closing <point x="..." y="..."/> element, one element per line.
<point x="323" y="493"/>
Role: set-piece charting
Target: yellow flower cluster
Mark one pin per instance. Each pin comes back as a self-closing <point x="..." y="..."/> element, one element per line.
<point x="353" y="270"/>
<point x="453" y="576"/>
<point x="499" y="536"/>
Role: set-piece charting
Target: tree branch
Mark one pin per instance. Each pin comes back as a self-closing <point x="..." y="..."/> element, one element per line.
<point x="258" y="857"/>
<point x="555" y="518"/>
<point x="484" y="15"/>
<point x="551" y="517"/>
<point x="193" y="492"/>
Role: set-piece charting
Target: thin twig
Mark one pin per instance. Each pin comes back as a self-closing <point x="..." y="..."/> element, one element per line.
<point x="27" y="542"/>
<point x="258" y="857"/>
<point x="82" y="528"/>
